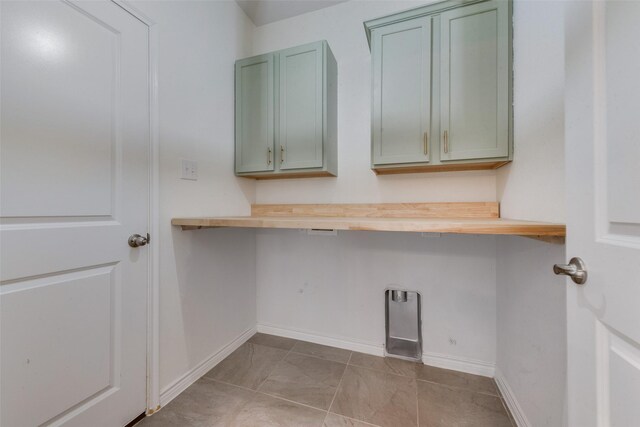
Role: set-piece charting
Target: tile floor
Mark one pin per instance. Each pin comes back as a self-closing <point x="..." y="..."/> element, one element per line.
<point x="274" y="381"/>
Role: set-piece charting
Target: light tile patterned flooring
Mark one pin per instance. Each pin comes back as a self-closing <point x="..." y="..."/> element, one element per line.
<point x="275" y="381"/>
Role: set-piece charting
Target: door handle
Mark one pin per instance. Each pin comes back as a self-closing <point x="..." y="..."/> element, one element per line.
<point x="136" y="240"/>
<point x="576" y="269"/>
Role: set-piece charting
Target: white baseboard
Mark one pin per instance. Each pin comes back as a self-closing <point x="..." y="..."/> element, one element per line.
<point x="178" y="386"/>
<point x="433" y="359"/>
<point x="457" y="363"/>
<point x="511" y="401"/>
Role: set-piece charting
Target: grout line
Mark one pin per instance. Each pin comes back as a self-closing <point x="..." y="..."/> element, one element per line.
<point x="271" y="346"/>
<point x="382" y="371"/>
<point x="233" y="385"/>
<point x="459" y="388"/>
<point x="354" y="419"/>
<point x="386" y="371"/>
<point x="506" y="408"/>
<point x="292" y="401"/>
<point x="273" y="368"/>
<point x="348" y="363"/>
<point x="270" y="395"/>
<point x="495" y="383"/>
<point x="257" y="390"/>
<point x="292" y="350"/>
<point x="339" y="384"/>
<point x="417" y="406"/>
<point x="321" y="358"/>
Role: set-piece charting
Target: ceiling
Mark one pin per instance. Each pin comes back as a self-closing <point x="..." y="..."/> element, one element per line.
<point x="265" y="11"/>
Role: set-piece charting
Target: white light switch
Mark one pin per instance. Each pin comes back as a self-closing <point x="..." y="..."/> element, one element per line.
<point x="189" y="170"/>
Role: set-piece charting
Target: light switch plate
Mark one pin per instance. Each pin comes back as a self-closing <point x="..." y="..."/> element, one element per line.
<point x="189" y="170"/>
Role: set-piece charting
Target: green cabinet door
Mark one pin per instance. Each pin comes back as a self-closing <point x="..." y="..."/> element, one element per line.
<point x="401" y="79"/>
<point x="254" y="114"/>
<point x="300" y="102"/>
<point x="474" y="85"/>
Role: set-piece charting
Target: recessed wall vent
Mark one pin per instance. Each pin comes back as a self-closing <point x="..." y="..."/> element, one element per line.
<point x="403" y="324"/>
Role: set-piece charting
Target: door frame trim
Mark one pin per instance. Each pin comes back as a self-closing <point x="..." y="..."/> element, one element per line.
<point x="153" y="285"/>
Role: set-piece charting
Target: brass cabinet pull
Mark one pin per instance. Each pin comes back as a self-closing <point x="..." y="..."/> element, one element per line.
<point x="281" y="153"/>
<point x="425" y="139"/>
<point x="269" y="156"/>
<point x="446" y="141"/>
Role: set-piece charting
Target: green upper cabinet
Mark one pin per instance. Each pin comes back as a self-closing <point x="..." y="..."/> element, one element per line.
<point x="401" y="92"/>
<point x="254" y="114"/>
<point x="442" y="87"/>
<point x="474" y="82"/>
<point x="301" y="133"/>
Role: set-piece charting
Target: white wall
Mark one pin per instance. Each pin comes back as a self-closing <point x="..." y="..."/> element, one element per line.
<point x="345" y="275"/>
<point x="349" y="273"/>
<point x="200" y="272"/>
<point x="333" y="286"/>
<point x="342" y="27"/>
<point x="531" y="327"/>
<point x="531" y="319"/>
<point x="532" y="187"/>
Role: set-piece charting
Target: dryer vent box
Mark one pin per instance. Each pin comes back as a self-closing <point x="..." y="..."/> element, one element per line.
<point x="403" y="324"/>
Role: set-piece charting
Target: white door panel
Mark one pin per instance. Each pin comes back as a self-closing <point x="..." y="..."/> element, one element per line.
<point x="622" y="125"/>
<point x="66" y="96"/>
<point x="74" y="185"/>
<point x="603" y="223"/>
<point x="59" y="313"/>
<point x="45" y="255"/>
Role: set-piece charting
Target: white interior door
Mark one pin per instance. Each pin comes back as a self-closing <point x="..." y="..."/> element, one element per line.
<point x="74" y="186"/>
<point x="603" y="224"/>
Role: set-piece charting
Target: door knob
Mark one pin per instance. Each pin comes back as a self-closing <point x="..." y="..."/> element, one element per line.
<point x="576" y="269"/>
<point x="136" y="240"/>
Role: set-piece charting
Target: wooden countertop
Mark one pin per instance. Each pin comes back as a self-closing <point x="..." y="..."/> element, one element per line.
<point x="459" y="218"/>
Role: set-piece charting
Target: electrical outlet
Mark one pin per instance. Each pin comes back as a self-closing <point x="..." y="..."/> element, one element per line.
<point x="189" y="170"/>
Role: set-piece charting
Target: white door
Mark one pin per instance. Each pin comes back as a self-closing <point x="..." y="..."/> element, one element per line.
<point x="603" y="224"/>
<point x="74" y="186"/>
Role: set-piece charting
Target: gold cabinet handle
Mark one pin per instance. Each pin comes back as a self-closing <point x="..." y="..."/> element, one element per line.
<point x="425" y="139"/>
<point x="269" y="156"/>
<point x="446" y="141"/>
<point x="281" y="153"/>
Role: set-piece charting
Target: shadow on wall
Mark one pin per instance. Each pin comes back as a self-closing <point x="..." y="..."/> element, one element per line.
<point x="213" y="297"/>
<point x="538" y="47"/>
<point x="333" y="287"/>
<point x="531" y="327"/>
<point x="415" y="187"/>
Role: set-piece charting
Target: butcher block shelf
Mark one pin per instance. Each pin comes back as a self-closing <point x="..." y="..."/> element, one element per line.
<point x="457" y="218"/>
